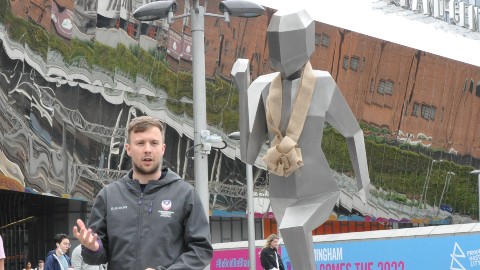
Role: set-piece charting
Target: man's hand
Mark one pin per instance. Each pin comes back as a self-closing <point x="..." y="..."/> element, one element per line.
<point x="86" y="237"/>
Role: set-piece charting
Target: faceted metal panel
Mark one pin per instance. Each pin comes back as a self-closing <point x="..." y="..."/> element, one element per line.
<point x="294" y="36"/>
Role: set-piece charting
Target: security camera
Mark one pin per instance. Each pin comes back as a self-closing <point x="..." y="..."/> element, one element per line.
<point x="155" y="10"/>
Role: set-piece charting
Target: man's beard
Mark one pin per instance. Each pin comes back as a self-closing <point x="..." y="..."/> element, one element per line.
<point x="140" y="170"/>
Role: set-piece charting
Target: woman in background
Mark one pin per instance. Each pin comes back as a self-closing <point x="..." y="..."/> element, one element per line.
<point x="269" y="255"/>
<point x="28" y="266"/>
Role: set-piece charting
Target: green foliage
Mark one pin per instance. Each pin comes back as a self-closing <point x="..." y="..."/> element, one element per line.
<point x="403" y="172"/>
<point x="59" y="45"/>
<point x="81" y="49"/>
<point x="146" y="64"/>
<point x="4" y="10"/>
<point x="127" y="61"/>
<point x="184" y="85"/>
<point x="105" y="57"/>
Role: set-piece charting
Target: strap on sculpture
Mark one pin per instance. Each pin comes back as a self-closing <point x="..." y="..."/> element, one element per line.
<point x="285" y="156"/>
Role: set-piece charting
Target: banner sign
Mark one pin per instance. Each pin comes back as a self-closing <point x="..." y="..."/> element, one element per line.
<point x="233" y="259"/>
<point x="187" y="46"/>
<point x="174" y="47"/>
<point x="434" y="252"/>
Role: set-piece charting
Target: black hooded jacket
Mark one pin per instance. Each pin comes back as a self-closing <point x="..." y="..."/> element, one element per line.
<point x="268" y="260"/>
<point x="163" y="227"/>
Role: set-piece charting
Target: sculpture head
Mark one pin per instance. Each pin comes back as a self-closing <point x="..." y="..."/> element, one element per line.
<point x="291" y="41"/>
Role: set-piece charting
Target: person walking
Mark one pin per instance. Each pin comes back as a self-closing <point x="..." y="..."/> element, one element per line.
<point x="2" y="255"/>
<point x="28" y="266"/>
<point x="58" y="259"/>
<point x="41" y="265"/>
<point x="149" y="219"/>
<point x="79" y="264"/>
<point x="269" y="257"/>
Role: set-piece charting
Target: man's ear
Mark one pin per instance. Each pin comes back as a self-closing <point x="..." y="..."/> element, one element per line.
<point x="127" y="148"/>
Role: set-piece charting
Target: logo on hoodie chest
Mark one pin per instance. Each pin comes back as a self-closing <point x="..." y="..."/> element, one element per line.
<point x="166" y="205"/>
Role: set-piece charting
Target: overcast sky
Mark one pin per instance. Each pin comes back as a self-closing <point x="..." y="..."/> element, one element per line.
<point x="359" y="16"/>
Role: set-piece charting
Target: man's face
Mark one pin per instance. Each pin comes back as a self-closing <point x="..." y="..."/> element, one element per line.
<point x="64" y="245"/>
<point x="146" y="150"/>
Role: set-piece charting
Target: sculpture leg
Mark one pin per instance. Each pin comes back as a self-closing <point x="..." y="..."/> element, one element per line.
<point x="297" y="224"/>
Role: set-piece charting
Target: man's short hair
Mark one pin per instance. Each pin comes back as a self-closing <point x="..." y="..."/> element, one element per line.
<point x="59" y="238"/>
<point x="41" y="261"/>
<point x="142" y="123"/>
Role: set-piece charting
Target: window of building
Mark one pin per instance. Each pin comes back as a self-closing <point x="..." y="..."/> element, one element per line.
<point x="477" y="89"/>
<point x="416" y="109"/>
<point x="325" y="40"/>
<point x="381" y="87"/>
<point x="345" y="62"/>
<point x="385" y="87"/>
<point x="207" y="45"/>
<point x="406" y="108"/>
<point x="389" y="87"/>
<point x="428" y="112"/>
<point x="227" y="43"/>
<point x="318" y="39"/>
<point x="230" y="229"/>
<point x="354" y="63"/>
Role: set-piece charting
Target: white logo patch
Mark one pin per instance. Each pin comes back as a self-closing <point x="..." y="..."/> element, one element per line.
<point x="166" y="205"/>
<point x="115" y="208"/>
<point x="167" y="214"/>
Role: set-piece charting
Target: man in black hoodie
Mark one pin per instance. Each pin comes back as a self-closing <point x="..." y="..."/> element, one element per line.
<point x="150" y="219"/>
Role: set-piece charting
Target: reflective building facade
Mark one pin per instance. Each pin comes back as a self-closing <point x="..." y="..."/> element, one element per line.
<point x="74" y="73"/>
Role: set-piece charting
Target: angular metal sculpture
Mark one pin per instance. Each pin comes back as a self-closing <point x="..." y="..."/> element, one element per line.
<point x="301" y="199"/>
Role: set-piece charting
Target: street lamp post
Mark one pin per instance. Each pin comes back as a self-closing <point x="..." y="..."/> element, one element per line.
<point x="165" y="9"/>
<point x="250" y="211"/>
<point x="448" y="177"/>
<point x="477" y="172"/>
<point x="423" y="197"/>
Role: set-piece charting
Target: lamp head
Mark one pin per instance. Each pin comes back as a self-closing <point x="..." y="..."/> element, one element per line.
<point x="234" y="135"/>
<point x="155" y="10"/>
<point x="241" y="8"/>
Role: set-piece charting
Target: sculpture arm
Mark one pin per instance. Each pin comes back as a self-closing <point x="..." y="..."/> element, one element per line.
<point x="341" y="118"/>
<point x="252" y="123"/>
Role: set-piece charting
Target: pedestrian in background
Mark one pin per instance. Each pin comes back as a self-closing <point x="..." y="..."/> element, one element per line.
<point x="2" y="255"/>
<point x="269" y="257"/>
<point x="28" y="266"/>
<point x="79" y="264"/>
<point x="41" y="264"/>
<point x="58" y="259"/>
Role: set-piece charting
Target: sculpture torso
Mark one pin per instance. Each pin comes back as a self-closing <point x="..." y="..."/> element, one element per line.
<point x="305" y="181"/>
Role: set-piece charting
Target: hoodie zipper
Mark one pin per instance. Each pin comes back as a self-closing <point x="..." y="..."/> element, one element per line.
<point x="150" y="207"/>
<point x="139" y="226"/>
